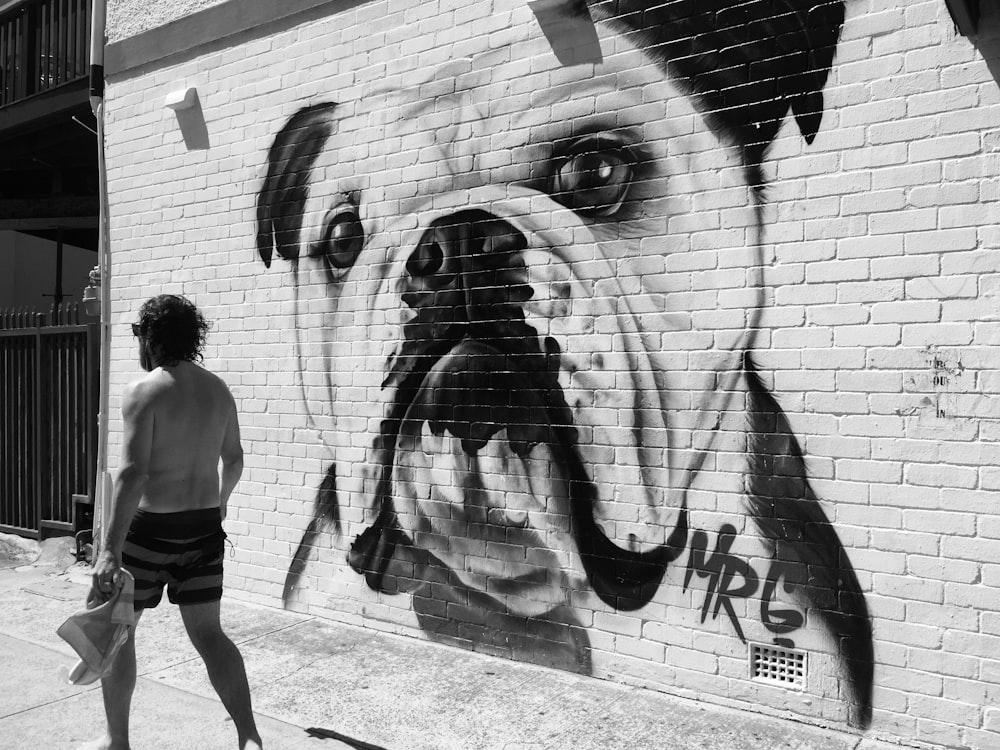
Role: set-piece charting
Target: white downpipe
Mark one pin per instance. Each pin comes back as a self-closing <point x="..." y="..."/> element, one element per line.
<point x="102" y="495"/>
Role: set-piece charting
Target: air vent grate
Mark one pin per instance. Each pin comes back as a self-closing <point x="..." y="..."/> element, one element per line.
<point x="777" y="665"/>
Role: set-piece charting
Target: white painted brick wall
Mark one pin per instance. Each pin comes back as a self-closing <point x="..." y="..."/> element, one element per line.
<point x="879" y="336"/>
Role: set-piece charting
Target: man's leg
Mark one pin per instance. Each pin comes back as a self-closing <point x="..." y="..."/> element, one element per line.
<point x="117" y="687"/>
<point x="225" y="667"/>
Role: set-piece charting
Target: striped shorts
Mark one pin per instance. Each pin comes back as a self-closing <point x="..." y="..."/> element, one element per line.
<point x="182" y="551"/>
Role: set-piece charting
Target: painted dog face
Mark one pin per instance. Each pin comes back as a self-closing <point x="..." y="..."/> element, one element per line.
<point x="498" y="320"/>
<point x="525" y="293"/>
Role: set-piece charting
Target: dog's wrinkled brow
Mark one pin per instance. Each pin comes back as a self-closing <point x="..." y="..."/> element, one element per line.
<point x="290" y="161"/>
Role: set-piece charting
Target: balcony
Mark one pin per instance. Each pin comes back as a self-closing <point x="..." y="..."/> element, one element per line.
<point x="44" y="44"/>
<point x="48" y="148"/>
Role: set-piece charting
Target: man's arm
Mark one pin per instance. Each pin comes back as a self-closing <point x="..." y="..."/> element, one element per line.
<point x="232" y="458"/>
<point x="137" y="445"/>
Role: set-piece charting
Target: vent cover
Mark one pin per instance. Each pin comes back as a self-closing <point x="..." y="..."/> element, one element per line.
<point x="778" y="665"/>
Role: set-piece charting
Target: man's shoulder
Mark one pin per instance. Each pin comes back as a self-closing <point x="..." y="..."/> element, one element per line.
<point x="142" y="392"/>
<point x="148" y="385"/>
<point x="161" y="382"/>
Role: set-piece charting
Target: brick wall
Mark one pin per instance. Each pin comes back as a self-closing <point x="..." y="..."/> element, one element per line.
<point x="621" y="367"/>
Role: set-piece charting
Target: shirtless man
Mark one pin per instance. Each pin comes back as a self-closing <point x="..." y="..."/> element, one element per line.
<point x="168" y="508"/>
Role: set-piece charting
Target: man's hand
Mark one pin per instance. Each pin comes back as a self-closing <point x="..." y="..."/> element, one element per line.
<point x="107" y="576"/>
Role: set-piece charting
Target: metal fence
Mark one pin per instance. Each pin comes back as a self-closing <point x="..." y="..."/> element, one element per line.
<point x="48" y="418"/>
<point x="43" y="44"/>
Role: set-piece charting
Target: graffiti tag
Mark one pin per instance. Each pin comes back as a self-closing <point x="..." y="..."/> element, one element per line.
<point x="730" y="577"/>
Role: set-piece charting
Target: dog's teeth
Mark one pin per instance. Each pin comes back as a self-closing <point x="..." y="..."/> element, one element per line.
<point x="429" y="442"/>
<point x="509" y="505"/>
<point x="496" y="481"/>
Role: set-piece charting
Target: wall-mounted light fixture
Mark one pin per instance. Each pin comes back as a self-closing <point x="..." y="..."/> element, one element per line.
<point x="186" y="104"/>
<point x="181" y="98"/>
<point x="965" y="14"/>
<point x="92" y="294"/>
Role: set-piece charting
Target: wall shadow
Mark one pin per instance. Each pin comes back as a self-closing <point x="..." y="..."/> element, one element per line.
<point x="193" y="127"/>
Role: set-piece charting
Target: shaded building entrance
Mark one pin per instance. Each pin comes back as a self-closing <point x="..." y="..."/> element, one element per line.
<point x="49" y="208"/>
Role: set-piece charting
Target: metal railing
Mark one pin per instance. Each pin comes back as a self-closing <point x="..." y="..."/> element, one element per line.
<point x="43" y="44"/>
<point x="48" y="418"/>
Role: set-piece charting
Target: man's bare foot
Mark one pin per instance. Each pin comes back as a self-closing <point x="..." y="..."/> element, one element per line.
<point x="104" y="743"/>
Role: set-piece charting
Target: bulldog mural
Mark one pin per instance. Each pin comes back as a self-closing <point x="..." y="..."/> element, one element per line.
<point x="528" y="288"/>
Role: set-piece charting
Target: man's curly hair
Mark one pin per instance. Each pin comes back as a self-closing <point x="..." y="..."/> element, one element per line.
<point x="174" y="328"/>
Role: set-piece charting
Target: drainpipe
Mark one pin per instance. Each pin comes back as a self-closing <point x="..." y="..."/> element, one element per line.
<point x="102" y="495"/>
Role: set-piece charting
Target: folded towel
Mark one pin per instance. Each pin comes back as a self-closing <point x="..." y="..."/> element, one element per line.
<point x="98" y="631"/>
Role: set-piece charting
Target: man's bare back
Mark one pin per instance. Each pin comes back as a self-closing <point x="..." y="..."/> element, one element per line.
<point x="193" y="424"/>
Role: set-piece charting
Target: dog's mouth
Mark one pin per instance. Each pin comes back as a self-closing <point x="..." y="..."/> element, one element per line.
<point x="476" y="398"/>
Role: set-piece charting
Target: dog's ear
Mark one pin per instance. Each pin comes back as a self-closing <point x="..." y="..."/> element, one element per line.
<point x="748" y="62"/>
<point x="283" y="195"/>
<point x="819" y="41"/>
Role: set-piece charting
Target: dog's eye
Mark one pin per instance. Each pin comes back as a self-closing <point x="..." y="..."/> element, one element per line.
<point x="594" y="182"/>
<point x="342" y="240"/>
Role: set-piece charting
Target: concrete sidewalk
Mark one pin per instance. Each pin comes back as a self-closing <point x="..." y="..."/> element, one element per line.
<point x="394" y="692"/>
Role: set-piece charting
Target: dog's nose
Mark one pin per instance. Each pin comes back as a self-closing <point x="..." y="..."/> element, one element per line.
<point x="456" y="250"/>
